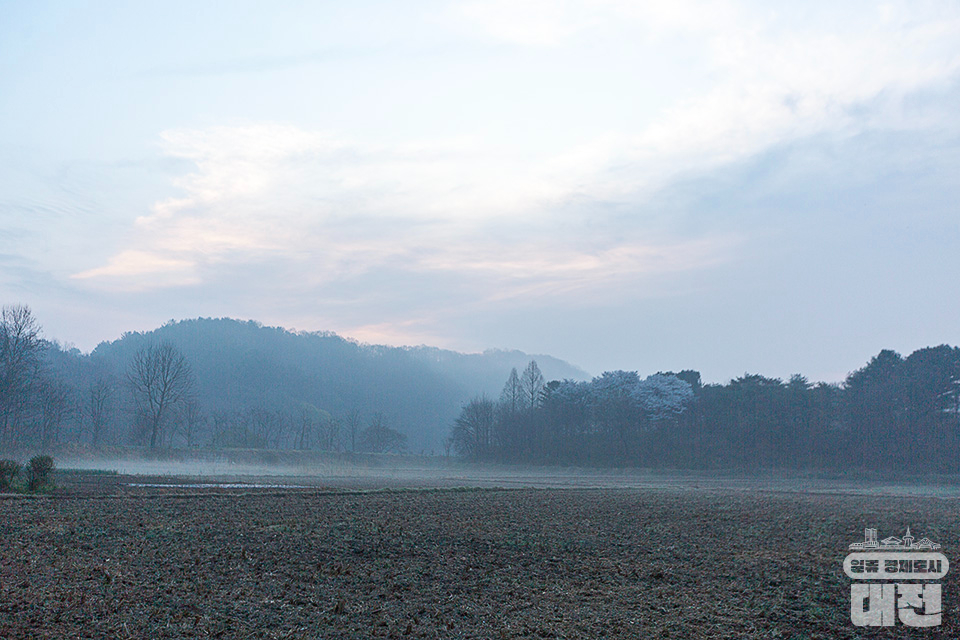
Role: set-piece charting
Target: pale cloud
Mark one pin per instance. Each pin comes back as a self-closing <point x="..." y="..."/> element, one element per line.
<point x="338" y="208"/>
<point x="335" y="205"/>
<point x="532" y="271"/>
<point x="775" y="73"/>
<point x="775" y="83"/>
<point x="137" y="270"/>
<point x="460" y="178"/>
<point x="402" y="332"/>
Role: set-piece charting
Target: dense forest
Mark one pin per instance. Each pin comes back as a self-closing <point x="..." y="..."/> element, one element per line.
<point x="895" y="414"/>
<point x="226" y="383"/>
<point x="221" y="383"/>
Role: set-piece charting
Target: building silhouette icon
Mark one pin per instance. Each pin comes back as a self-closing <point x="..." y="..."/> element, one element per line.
<point x="893" y="543"/>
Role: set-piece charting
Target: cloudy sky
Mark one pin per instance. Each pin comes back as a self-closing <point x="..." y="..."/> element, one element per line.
<point x="728" y="186"/>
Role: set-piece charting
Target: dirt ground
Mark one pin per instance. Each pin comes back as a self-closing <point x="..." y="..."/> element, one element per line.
<point x="149" y="562"/>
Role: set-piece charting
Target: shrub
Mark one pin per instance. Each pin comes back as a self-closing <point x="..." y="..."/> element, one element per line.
<point x="38" y="473"/>
<point x="8" y="471"/>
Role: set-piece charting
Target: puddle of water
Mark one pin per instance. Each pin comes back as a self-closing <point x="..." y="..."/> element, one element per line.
<point x="216" y="485"/>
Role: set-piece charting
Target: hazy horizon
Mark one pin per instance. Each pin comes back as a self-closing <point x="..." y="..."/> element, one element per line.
<point x="69" y="345"/>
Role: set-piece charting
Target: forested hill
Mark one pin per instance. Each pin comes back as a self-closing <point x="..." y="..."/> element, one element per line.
<point x="240" y="367"/>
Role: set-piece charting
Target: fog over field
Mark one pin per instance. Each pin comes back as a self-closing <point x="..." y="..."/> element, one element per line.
<point x="412" y="473"/>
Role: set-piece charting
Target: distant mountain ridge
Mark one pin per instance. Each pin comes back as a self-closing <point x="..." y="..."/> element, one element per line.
<point x="244" y="364"/>
<point x="485" y="370"/>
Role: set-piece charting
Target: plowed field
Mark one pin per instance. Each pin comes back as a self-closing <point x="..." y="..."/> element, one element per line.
<point x="525" y="563"/>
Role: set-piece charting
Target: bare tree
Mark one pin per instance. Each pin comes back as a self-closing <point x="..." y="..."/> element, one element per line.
<point x="20" y="346"/>
<point x="351" y="428"/>
<point x="98" y="406"/>
<point x="223" y="425"/>
<point x="531" y="385"/>
<point x="161" y="379"/>
<point x="331" y="440"/>
<point x="511" y="396"/>
<point x="379" y="438"/>
<point x="280" y="422"/>
<point x="473" y="431"/>
<point x="265" y="425"/>
<point x="55" y="407"/>
<point x="192" y="419"/>
<point x="309" y="423"/>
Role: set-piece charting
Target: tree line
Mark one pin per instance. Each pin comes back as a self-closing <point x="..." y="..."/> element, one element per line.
<point x="894" y="414"/>
<point x="51" y="395"/>
<point x="231" y="384"/>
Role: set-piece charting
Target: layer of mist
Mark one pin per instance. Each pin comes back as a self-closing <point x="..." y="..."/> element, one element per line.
<point x="410" y="472"/>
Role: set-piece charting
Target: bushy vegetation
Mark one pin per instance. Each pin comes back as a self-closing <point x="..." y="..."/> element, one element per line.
<point x="9" y="469"/>
<point x="39" y="473"/>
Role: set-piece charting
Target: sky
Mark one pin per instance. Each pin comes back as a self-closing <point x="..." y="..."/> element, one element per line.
<point x="733" y="187"/>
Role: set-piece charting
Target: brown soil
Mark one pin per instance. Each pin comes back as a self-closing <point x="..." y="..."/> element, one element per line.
<point x="566" y="563"/>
